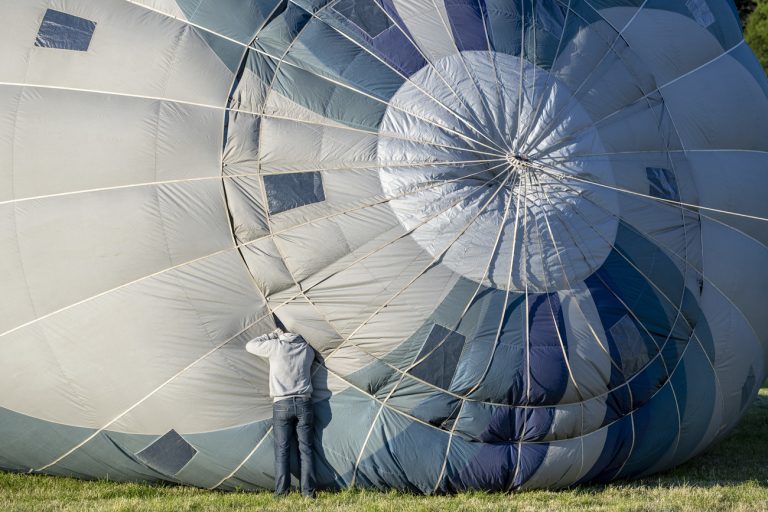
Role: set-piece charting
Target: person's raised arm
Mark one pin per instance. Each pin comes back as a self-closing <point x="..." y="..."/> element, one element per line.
<point x="262" y="345"/>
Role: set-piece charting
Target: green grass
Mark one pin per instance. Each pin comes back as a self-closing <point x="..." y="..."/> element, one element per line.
<point x="731" y="476"/>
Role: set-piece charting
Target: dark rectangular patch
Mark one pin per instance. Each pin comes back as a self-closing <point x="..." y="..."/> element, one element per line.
<point x="64" y="31"/>
<point x="168" y="454"/>
<point x="444" y="348"/>
<point x="289" y="191"/>
<point x="662" y="183"/>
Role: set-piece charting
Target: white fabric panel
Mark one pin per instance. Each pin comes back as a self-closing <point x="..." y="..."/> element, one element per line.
<point x="733" y="181"/>
<point x="67" y="141"/>
<point x="166" y="60"/>
<point x="75" y="247"/>
<point x="719" y="106"/>
<point x="428" y="25"/>
<point x="736" y="344"/>
<point x="727" y="253"/>
<point x="670" y="44"/>
<point x="120" y="347"/>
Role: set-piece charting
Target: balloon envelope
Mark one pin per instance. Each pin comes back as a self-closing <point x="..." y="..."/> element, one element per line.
<point x="526" y="238"/>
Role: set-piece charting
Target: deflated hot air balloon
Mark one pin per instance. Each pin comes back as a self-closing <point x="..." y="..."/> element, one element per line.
<point x="526" y="237"/>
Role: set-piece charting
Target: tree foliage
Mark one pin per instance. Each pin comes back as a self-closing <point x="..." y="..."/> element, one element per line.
<point x="756" y="32"/>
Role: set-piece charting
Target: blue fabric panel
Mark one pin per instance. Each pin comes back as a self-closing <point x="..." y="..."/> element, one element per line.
<point x="366" y="14"/>
<point x="611" y="311"/>
<point x="292" y="190"/>
<point x="65" y="32"/>
<point x="235" y="19"/>
<point x="715" y="15"/>
<point x="394" y="44"/>
<point x="328" y="99"/>
<point x="390" y="459"/>
<point x="480" y="327"/>
<point x="618" y="444"/>
<point x="618" y="403"/>
<point x="168" y="454"/>
<point x="656" y="428"/>
<point x="663" y="183"/>
<point x="479" y="466"/>
<point x="440" y="365"/>
<point x="695" y="389"/>
<point x="510" y="424"/>
<point x="394" y="47"/>
<point x="439" y="410"/>
<point x="504" y="21"/>
<point x="276" y="37"/>
<point x="467" y="25"/>
<point x="321" y="49"/>
<point x="648" y="382"/>
<point x="531" y="457"/>
<point x="548" y="371"/>
<point x="20" y="432"/>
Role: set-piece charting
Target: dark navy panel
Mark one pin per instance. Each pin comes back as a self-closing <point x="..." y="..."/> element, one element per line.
<point x="168" y="454"/>
<point x="467" y="24"/>
<point x="656" y="430"/>
<point x="65" y="31"/>
<point x="662" y="183"/>
<point x="441" y="352"/>
<point x="617" y="447"/>
<point x="289" y="191"/>
<point x="548" y="372"/>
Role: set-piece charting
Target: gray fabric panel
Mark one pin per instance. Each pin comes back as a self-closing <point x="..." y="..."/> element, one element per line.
<point x="168" y="454"/>
<point x="64" y="31"/>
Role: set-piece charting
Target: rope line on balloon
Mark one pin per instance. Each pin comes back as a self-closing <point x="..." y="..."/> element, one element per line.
<point x="409" y="190"/>
<point x="555" y="322"/>
<point x="217" y="34"/>
<point x="558" y="174"/>
<point x="431" y="264"/>
<point x="416" y="361"/>
<point x="659" y="352"/>
<point x="520" y="72"/>
<point x="406" y="34"/>
<point x="319" y="75"/>
<point x="526" y="331"/>
<point x="678" y="308"/>
<point x="161" y="386"/>
<point x="581" y="157"/>
<point x="418" y="420"/>
<point x="254" y="449"/>
<point x="610" y="48"/>
<point x="244" y="461"/>
<point x="501" y="321"/>
<point x="565" y="224"/>
<point x="548" y="83"/>
<point x="388" y="165"/>
<point x="684" y="261"/>
<point x="472" y="77"/>
<point x="483" y="10"/>
<point x="310" y="122"/>
<point x="452" y="112"/>
<point x="548" y="150"/>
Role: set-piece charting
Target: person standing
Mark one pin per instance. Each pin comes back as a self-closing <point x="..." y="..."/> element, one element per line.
<point x="290" y="386"/>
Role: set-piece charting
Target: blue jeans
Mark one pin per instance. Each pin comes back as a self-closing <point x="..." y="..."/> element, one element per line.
<point x="288" y="416"/>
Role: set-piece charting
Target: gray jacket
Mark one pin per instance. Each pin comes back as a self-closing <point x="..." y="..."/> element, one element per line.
<point x="290" y="359"/>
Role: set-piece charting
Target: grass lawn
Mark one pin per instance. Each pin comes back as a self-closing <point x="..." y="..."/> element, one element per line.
<point x="731" y="476"/>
